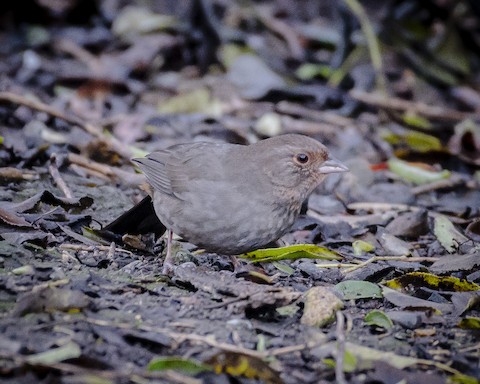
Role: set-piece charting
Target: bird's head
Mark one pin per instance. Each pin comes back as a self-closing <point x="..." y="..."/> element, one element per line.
<point x="296" y="163"/>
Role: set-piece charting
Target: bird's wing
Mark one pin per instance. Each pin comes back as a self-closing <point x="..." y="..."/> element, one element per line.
<point x="176" y="170"/>
<point x="154" y="166"/>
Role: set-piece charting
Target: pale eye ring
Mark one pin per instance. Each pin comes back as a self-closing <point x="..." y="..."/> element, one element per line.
<point x="302" y="158"/>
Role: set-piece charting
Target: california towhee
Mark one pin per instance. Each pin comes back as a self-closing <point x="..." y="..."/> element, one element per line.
<point x="231" y="199"/>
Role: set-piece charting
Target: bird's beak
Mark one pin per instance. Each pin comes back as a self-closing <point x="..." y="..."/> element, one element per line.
<point x="332" y="166"/>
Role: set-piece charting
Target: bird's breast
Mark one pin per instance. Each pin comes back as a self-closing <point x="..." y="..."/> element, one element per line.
<point x="229" y="222"/>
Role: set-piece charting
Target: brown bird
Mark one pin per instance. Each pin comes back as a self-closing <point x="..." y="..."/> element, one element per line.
<point x="231" y="199"/>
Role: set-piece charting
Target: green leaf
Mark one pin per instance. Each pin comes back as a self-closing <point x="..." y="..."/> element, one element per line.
<point x="415" y="174"/>
<point x="418" y="121"/>
<point x="366" y="357"/>
<point x="417" y="141"/>
<point x="448" y="236"/>
<point x="240" y="365"/>
<point x="451" y="51"/>
<point x="283" y="267"/>
<point x="292" y="252"/>
<point x="349" y="362"/>
<point x="261" y="343"/>
<point x="93" y="379"/>
<point x="287" y="310"/>
<point x="138" y="152"/>
<point x="24" y="270"/>
<point x="89" y="236"/>
<point x="357" y="289"/>
<point x="330" y="363"/>
<point x="463" y="379"/>
<point x="470" y="323"/>
<point x="361" y="247"/>
<point x="422" y="142"/>
<point x="229" y="52"/>
<point x="187" y="366"/>
<point x="196" y="101"/>
<point x="309" y="71"/>
<point x="379" y="319"/>
<point x="138" y="20"/>
<point x="70" y="350"/>
<point x="439" y="283"/>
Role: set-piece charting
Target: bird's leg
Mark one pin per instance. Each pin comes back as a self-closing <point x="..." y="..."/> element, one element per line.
<point x="235" y="263"/>
<point x="168" y="267"/>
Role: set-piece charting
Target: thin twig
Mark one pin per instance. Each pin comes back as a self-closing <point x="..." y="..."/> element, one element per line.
<point x="439" y="365"/>
<point x="339" y="356"/>
<point x="88" y="172"/>
<point x="209" y="340"/>
<point x="90" y="248"/>
<point x="79" y="53"/>
<point x="351" y="267"/>
<point x="95" y="131"/>
<point x="354" y="221"/>
<point x="179" y="336"/>
<point x="372" y="42"/>
<point x="284" y="30"/>
<point x="470" y="348"/>
<point x="289" y="349"/>
<point x="57" y="177"/>
<point x="387" y="207"/>
<point x="335" y="265"/>
<point x="292" y="125"/>
<point x="294" y="109"/>
<point x="10" y="173"/>
<point x="112" y="173"/>
<point x="111" y="251"/>
<point x="380" y="207"/>
<point x="451" y="182"/>
<point x="390" y="258"/>
<point x="400" y="105"/>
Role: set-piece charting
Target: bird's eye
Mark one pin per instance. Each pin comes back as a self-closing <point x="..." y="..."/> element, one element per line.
<point x="302" y="158"/>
